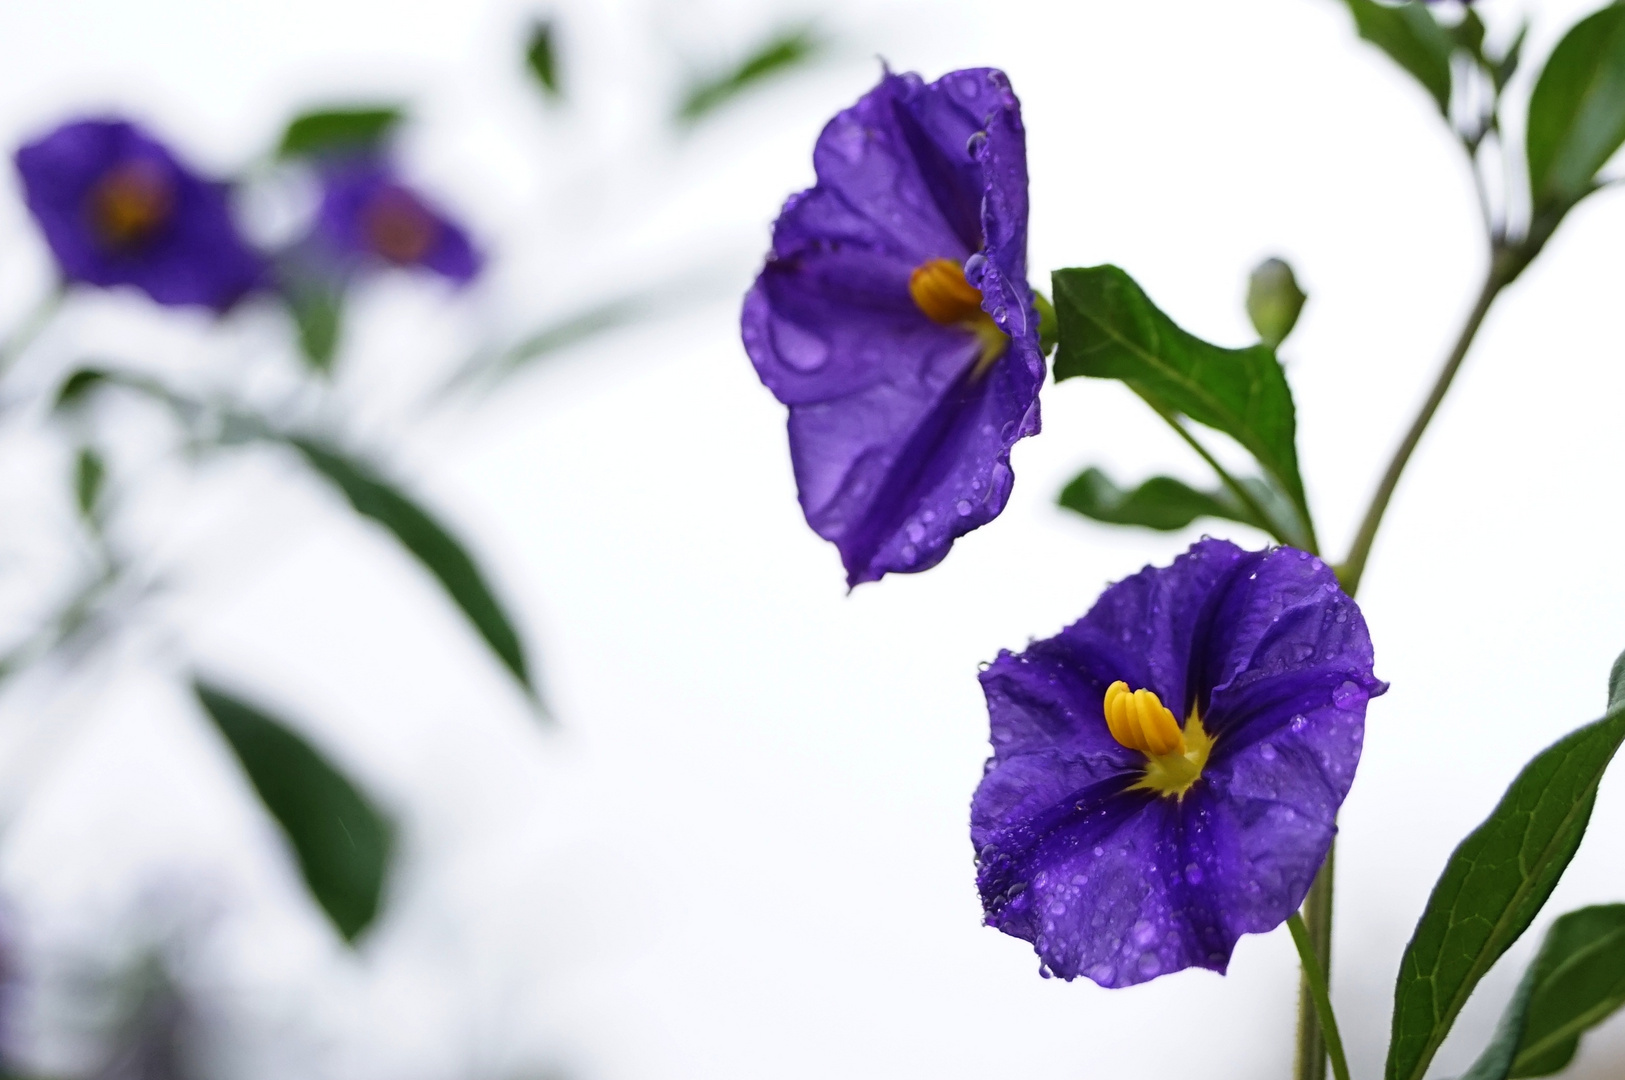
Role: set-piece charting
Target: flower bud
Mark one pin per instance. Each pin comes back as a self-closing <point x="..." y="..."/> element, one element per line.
<point x="1274" y="301"/>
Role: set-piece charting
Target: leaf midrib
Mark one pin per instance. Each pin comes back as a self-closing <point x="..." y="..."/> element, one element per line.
<point x="1475" y="973"/>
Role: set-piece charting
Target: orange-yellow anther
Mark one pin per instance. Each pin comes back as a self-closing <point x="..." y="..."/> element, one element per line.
<point x="1139" y="720"/>
<point x="131" y="202"/>
<point x="940" y="290"/>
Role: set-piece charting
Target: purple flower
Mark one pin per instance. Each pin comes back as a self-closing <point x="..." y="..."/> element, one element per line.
<point x="893" y="317"/>
<point x="117" y="208"/>
<point x="368" y="216"/>
<point x="1125" y="845"/>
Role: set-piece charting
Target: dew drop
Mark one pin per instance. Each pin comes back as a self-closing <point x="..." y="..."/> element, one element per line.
<point x="974" y="144"/>
<point x="1267" y="752"/>
<point x="916" y="531"/>
<point x="1149" y="964"/>
<point x="1193" y="873"/>
<point x="1099" y="851"/>
<point x="1348" y="695"/>
<point x="974" y="267"/>
<point x="801" y="349"/>
<point x="1299" y="722"/>
<point x="910" y="554"/>
<point x="964" y="507"/>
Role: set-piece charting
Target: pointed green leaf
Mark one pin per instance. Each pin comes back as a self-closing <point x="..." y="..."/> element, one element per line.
<point x="89" y="473"/>
<point x="1109" y="329"/>
<point x="1577" y="111"/>
<point x="1496" y="882"/>
<point x="1575" y="982"/>
<point x="785" y="50"/>
<point x="1412" y="38"/>
<point x="439" y="552"/>
<point x="317" y="311"/>
<point x="326" y="131"/>
<point x="541" y="58"/>
<point x="343" y="843"/>
<point x="1160" y="503"/>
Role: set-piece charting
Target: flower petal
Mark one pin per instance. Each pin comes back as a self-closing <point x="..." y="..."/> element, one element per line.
<point x="900" y="443"/>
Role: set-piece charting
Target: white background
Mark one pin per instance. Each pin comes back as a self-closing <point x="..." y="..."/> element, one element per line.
<point x="743" y="854"/>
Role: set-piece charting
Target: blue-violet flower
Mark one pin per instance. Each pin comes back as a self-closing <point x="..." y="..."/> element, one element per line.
<point x="367" y="215"/>
<point x="893" y="317"/>
<point x="118" y="208"/>
<point x="1166" y="772"/>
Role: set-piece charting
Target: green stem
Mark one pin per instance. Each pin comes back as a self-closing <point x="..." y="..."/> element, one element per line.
<point x="29" y="329"/>
<point x="1315" y="978"/>
<point x="1236" y="488"/>
<point x="1317" y="907"/>
<point x="1499" y="276"/>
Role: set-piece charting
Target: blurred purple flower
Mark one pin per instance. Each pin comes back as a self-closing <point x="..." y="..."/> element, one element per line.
<point x="1125" y="845"/>
<point x="368" y="216"/>
<point x="117" y="208"/>
<point x="893" y="317"/>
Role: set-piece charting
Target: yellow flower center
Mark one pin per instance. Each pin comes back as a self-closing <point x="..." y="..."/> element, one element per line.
<point x="940" y="290"/>
<point x="130" y="203"/>
<point x="1140" y="721"/>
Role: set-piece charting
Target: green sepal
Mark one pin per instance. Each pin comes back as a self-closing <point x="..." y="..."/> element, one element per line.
<point x="1496" y="882"/>
<point x="342" y="842"/>
<point x="317" y="309"/>
<point x="89" y="477"/>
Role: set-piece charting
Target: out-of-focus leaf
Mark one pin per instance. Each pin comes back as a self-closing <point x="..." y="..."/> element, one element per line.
<point x="1577" y="111"/>
<point x="541" y="58"/>
<point x="784" y="51"/>
<point x="1469" y="34"/>
<point x="343" y="843"/>
<point x="1111" y="330"/>
<point x="1502" y="70"/>
<point x="1274" y="301"/>
<point x="327" y="131"/>
<point x="439" y="552"/>
<point x="1496" y="883"/>
<point x="318" y="317"/>
<point x="89" y="473"/>
<point x="1575" y="982"/>
<point x="1412" y="38"/>
<point x="77" y="387"/>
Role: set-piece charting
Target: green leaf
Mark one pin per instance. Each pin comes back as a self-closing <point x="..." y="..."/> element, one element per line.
<point x="785" y="50"/>
<point x="325" y="131"/>
<point x="1576" y="981"/>
<point x="1496" y="882"/>
<point x="317" y="312"/>
<point x="1274" y="301"/>
<point x="1412" y="38"/>
<point x="1502" y="70"/>
<point x="1580" y="983"/>
<point x="342" y="842"/>
<point x="1160" y="503"/>
<point x="541" y="58"/>
<point x="76" y="387"/>
<point x="1577" y="110"/>
<point x="1109" y="329"/>
<point x="89" y="474"/>
<point x="439" y="552"/>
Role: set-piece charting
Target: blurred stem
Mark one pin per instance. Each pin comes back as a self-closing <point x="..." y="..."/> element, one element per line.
<point x="1315" y="990"/>
<point x="31" y="326"/>
<point x="1315" y="951"/>
<point x="1500" y="274"/>
<point x="1235" y="486"/>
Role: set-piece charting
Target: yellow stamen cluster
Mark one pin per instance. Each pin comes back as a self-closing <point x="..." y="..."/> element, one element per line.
<point x="130" y="203"/>
<point x="1139" y="720"/>
<point x="940" y="290"/>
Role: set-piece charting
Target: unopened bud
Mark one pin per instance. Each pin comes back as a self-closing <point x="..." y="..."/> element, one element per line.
<point x="1274" y="301"/>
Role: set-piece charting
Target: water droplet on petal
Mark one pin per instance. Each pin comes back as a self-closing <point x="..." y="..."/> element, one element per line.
<point x="1267" y="752"/>
<point x="910" y="554"/>
<point x="1149" y="964"/>
<point x="1193" y="874"/>
<point x="974" y="144"/>
<point x="964" y="507"/>
<point x="1348" y="695"/>
<point x="801" y="349"/>
<point x="916" y="531"/>
<point x="1299" y="722"/>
